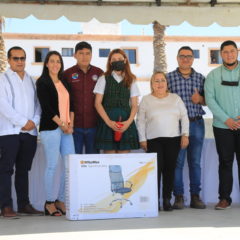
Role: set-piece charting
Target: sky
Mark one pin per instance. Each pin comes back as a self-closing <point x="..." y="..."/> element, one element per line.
<point x="64" y="26"/>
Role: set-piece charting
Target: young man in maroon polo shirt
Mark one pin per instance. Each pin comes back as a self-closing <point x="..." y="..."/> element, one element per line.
<point x="82" y="78"/>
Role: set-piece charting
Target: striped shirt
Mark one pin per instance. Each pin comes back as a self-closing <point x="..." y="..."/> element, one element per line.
<point x="185" y="88"/>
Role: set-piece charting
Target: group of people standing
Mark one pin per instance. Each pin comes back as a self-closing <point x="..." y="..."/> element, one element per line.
<point x="170" y="123"/>
<point x="84" y="108"/>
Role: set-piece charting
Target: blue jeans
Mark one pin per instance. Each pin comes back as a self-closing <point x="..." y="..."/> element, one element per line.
<point x="84" y="137"/>
<point x="194" y="150"/>
<point x="55" y="143"/>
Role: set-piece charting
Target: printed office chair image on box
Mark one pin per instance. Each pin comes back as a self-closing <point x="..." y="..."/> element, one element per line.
<point x="117" y="184"/>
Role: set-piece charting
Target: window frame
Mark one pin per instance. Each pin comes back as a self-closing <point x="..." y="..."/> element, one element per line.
<point x="67" y="55"/>
<point x="209" y="57"/>
<point x="136" y="51"/>
<point x="198" y="53"/>
<point x="103" y="49"/>
<point x="34" y="53"/>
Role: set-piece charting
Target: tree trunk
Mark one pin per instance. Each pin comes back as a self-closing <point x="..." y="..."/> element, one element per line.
<point x="3" y="58"/>
<point x="160" y="63"/>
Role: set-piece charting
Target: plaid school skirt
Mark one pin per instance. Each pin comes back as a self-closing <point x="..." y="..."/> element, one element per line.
<point x="105" y="135"/>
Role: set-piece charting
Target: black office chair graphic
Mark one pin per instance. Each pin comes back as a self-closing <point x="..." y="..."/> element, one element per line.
<point x="117" y="184"/>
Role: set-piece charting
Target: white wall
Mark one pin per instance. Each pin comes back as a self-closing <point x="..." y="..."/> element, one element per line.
<point x="144" y="66"/>
<point x="142" y="69"/>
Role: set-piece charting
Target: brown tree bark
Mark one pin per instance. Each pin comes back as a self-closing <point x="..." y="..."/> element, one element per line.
<point x="160" y="64"/>
<point x="3" y="57"/>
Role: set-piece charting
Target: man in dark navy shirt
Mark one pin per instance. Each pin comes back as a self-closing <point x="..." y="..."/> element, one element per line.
<point x="82" y="78"/>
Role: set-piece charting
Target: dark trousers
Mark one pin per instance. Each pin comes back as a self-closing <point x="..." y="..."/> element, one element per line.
<point x="227" y="143"/>
<point x="17" y="150"/>
<point x="167" y="149"/>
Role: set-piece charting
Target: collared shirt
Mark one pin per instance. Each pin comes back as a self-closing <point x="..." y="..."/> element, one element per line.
<point x="82" y="85"/>
<point x="18" y="103"/>
<point x="101" y="83"/>
<point x="185" y="88"/>
<point x="223" y="101"/>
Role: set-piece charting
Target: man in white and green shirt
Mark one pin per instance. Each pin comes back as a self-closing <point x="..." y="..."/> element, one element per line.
<point x="222" y="94"/>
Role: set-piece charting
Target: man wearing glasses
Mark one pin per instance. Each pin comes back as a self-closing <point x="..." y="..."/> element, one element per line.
<point x="188" y="84"/>
<point x="222" y="90"/>
<point x="19" y="116"/>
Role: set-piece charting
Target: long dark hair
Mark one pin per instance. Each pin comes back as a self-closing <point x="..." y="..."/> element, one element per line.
<point x="45" y="72"/>
<point x="129" y="77"/>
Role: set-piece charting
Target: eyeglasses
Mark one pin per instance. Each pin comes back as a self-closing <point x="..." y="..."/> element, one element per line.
<point x="16" y="59"/>
<point x="188" y="57"/>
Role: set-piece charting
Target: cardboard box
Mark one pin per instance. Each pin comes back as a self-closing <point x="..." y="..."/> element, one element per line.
<point x="101" y="186"/>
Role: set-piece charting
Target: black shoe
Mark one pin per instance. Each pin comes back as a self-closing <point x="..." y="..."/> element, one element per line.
<point x="167" y="205"/>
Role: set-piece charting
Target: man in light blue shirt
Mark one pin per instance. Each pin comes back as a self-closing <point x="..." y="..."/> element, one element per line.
<point x="222" y="94"/>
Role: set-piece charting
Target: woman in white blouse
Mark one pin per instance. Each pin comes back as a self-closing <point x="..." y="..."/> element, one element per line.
<point x="163" y="127"/>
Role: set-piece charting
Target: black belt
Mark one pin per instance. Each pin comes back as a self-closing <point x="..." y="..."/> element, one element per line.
<point x="192" y="119"/>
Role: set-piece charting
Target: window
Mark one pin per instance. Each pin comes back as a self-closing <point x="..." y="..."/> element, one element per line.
<point x="104" y="52"/>
<point x="67" y="52"/>
<point x="196" y="53"/>
<point x="40" y="54"/>
<point x="131" y="54"/>
<point x="215" y="57"/>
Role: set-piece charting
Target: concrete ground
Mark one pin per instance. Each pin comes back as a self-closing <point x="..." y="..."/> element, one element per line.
<point x="180" y="224"/>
